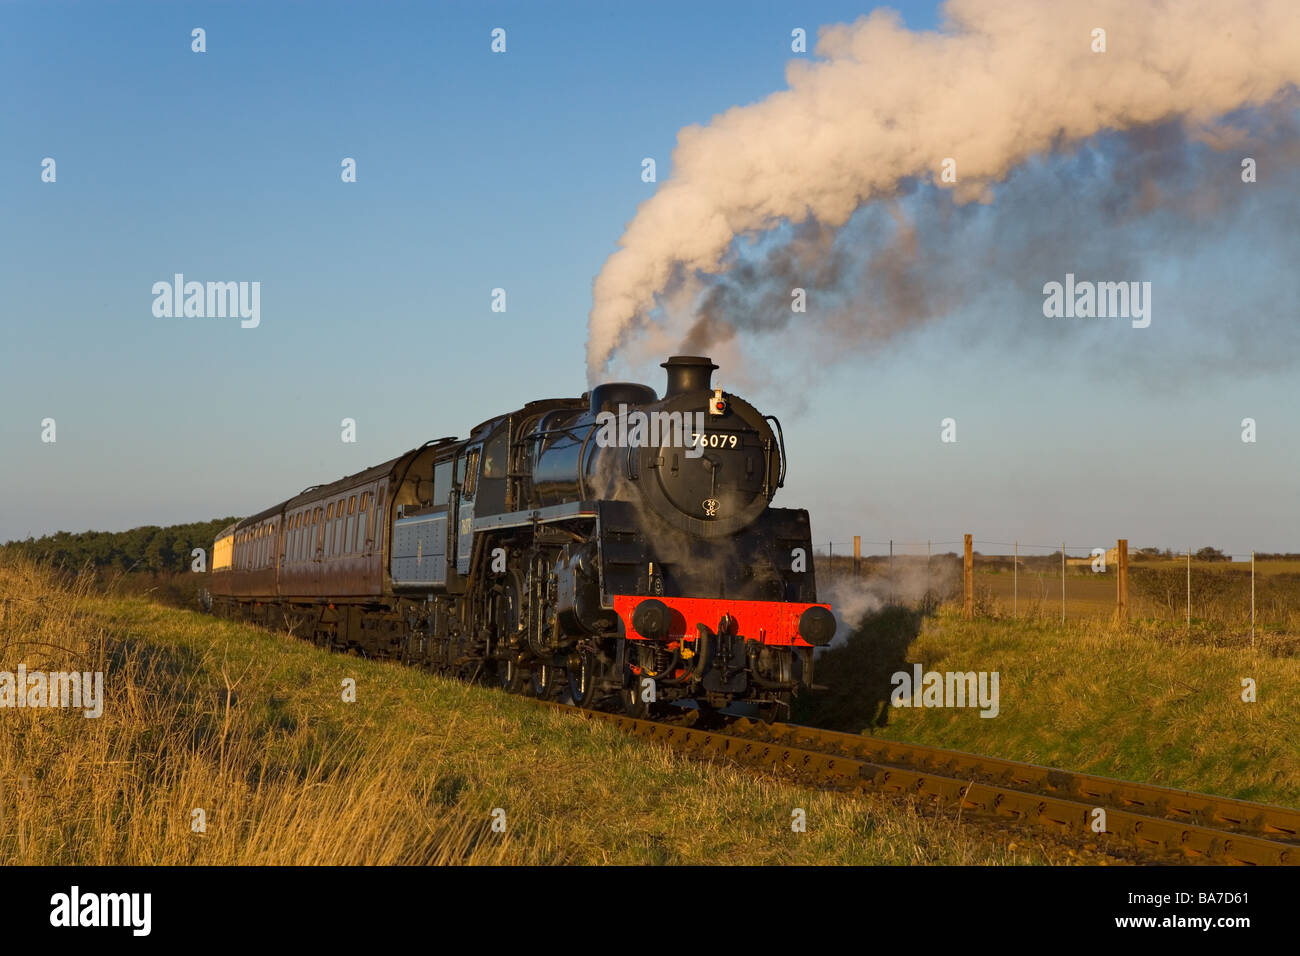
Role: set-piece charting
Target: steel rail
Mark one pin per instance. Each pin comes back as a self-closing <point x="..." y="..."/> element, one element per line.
<point x="1153" y="819"/>
<point x="1178" y="806"/>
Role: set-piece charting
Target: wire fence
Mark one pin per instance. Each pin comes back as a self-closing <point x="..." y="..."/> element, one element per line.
<point x="1245" y="593"/>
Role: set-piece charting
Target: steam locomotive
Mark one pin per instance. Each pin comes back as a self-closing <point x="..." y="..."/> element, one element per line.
<point x="619" y="548"/>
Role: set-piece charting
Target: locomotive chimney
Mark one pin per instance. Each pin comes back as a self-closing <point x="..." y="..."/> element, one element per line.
<point x="688" y="373"/>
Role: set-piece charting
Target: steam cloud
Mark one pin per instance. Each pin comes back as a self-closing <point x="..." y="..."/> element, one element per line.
<point x="833" y="185"/>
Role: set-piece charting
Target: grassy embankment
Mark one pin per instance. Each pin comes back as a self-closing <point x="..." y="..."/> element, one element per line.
<point x="1146" y="702"/>
<point x="251" y="727"/>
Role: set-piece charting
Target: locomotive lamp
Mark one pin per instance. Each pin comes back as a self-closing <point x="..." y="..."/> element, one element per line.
<point x="651" y="619"/>
<point x="817" y="626"/>
<point x="717" y="404"/>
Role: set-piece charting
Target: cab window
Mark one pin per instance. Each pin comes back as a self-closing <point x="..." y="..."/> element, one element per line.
<point x="441" y="481"/>
<point x="471" y="474"/>
<point x="495" y="455"/>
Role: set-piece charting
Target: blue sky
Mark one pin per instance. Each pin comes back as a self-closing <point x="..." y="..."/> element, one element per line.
<point x="478" y="171"/>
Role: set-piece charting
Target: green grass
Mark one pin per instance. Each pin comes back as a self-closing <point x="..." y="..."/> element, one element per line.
<point x="1136" y="703"/>
<point x="251" y="727"/>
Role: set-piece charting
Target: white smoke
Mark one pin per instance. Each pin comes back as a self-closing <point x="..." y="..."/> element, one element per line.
<point x="1000" y="82"/>
<point x="912" y="582"/>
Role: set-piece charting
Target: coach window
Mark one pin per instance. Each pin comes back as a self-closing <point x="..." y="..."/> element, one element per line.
<point x="363" y="514"/>
<point x="349" y="535"/>
<point x="338" y="526"/>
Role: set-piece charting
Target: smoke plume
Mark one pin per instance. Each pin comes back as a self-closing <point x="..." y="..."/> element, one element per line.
<point x="1065" y="158"/>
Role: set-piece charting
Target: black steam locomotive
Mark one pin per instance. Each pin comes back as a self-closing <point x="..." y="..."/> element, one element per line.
<point x="618" y="547"/>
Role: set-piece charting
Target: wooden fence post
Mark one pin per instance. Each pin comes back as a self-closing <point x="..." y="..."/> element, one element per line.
<point x="891" y="571"/>
<point x="968" y="580"/>
<point x="857" y="555"/>
<point x="1121" y="580"/>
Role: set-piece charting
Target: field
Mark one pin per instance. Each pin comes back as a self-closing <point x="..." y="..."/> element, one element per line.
<point x="1220" y="591"/>
<point x="1146" y="703"/>
<point x="250" y="728"/>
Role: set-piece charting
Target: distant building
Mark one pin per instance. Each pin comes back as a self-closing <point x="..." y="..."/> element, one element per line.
<point x="1112" y="559"/>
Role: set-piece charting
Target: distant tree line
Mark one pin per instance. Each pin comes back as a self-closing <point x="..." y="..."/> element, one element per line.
<point x="150" y="548"/>
<point x="1211" y="554"/>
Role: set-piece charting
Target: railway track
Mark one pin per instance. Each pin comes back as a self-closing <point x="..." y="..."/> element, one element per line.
<point x="1156" y="820"/>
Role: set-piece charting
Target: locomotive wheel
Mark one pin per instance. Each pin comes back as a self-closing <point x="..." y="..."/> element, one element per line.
<point x="543" y="680"/>
<point x="507" y="618"/>
<point x="510" y="675"/>
<point x="582" y="678"/>
<point x="630" y="695"/>
<point x="771" y="712"/>
<point x="633" y="705"/>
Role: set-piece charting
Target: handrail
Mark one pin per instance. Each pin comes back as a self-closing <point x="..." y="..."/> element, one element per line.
<point x="780" y="437"/>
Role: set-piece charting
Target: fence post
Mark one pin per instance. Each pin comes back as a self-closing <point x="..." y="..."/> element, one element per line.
<point x="1015" y="580"/>
<point x="1121" y="580"/>
<point x="927" y="572"/>
<point x="1189" y="590"/>
<point x="857" y="555"/>
<point x="1252" y="599"/>
<point x="968" y="580"/>
<point x="891" y="571"/>
<point x="1062" y="582"/>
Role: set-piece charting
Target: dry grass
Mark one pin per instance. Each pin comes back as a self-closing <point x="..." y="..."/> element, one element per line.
<point x="1220" y="595"/>
<point x="251" y="727"/>
<point x="1139" y="703"/>
<point x="1158" y="590"/>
